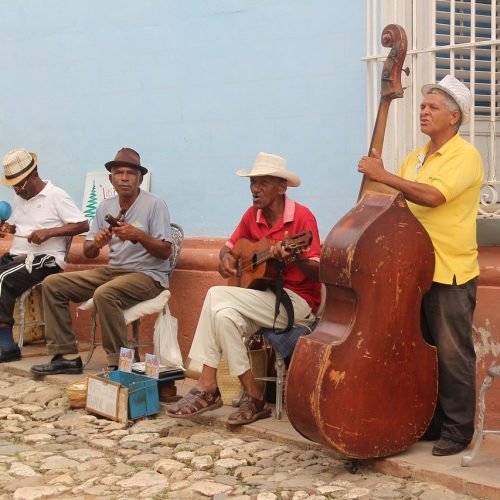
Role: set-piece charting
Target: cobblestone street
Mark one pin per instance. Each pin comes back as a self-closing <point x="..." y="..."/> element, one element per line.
<point x="48" y="450"/>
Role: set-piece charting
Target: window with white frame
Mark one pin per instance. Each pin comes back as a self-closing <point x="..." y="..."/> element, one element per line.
<point x="458" y="37"/>
<point x="466" y="31"/>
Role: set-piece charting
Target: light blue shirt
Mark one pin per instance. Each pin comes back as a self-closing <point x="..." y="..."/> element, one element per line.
<point x="149" y="213"/>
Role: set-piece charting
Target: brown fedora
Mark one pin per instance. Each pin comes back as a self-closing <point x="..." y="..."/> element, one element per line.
<point x="127" y="157"/>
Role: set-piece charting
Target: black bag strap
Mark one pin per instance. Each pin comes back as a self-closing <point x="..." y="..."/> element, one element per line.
<point x="282" y="298"/>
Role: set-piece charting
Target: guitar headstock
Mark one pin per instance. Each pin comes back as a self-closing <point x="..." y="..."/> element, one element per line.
<point x="297" y="243"/>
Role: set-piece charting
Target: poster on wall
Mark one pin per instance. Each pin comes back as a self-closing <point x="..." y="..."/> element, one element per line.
<point x="98" y="188"/>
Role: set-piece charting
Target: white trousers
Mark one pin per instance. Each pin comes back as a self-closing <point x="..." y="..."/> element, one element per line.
<point x="231" y="314"/>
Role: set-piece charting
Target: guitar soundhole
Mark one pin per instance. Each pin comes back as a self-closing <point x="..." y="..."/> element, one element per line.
<point x="254" y="261"/>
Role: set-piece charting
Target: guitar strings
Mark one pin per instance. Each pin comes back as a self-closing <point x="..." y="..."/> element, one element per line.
<point x="261" y="257"/>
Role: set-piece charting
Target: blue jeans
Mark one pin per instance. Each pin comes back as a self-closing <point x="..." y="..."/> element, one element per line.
<point x="446" y="321"/>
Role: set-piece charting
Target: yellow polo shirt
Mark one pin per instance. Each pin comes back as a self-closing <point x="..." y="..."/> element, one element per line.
<point x="456" y="170"/>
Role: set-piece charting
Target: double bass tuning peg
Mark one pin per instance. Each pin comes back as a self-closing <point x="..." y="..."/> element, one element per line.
<point x="406" y="71"/>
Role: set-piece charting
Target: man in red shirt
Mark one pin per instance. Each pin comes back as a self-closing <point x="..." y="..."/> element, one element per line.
<point x="230" y="314"/>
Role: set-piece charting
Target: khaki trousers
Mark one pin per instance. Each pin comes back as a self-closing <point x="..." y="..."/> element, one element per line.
<point x="229" y="315"/>
<point x="112" y="290"/>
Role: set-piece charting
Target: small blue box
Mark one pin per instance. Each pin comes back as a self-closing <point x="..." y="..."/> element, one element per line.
<point x="143" y="398"/>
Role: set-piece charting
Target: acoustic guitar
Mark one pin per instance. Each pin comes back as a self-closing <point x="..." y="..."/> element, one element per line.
<point x="254" y="263"/>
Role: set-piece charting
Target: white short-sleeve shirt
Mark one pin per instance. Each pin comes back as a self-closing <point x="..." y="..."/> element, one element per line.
<point x="51" y="207"/>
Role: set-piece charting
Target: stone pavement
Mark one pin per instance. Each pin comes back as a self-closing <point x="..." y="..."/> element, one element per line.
<point x="48" y="450"/>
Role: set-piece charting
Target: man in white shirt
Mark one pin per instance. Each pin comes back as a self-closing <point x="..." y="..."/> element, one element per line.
<point x="43" y="217"/>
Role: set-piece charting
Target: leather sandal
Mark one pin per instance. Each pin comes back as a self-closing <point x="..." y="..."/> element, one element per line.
<point x="194" y="403"/>
<point x="250" y="410"/>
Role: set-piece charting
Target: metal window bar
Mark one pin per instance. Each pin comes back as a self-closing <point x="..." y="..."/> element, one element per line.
<point x="462" y="40"/>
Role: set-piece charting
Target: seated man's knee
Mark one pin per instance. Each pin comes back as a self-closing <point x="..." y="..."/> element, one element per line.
<point x="211" y="293"/>
<point x="220" y="291"/>
<point x="100" y="295"/>
<point x="104" y="294"/>
<point x="227" y="321"/>
<point x="222" y="319"/>
<point x="52" y="282"/>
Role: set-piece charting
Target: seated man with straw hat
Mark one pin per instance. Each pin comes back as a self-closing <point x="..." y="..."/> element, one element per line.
<point x="230" y="314"/>
<point x="43" y="217"/>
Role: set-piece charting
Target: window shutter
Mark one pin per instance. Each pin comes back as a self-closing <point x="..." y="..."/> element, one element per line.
<point x="470" y="55"/>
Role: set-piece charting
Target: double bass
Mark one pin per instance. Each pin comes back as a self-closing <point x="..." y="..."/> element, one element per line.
<point x="365" y="382"/>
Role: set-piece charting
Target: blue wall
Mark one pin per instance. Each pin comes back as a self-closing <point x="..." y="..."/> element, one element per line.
<point x="198" y="87"/>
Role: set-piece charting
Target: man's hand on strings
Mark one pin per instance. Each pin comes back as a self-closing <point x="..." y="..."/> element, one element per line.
<point x="227" y="265"/>
<point x="372" y="166"/>
<point x="279" y="251"/>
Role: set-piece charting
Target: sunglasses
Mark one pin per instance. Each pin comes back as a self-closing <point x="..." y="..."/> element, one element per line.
<point x="21" y="188"/>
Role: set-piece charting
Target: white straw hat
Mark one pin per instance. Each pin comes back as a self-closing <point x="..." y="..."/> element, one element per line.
<point x="457" y="91"/>
<point x="18" y="164"/>
<point x="269" y="164"/>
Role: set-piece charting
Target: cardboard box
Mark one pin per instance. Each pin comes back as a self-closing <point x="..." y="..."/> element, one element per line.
<point x="122" y="396"/>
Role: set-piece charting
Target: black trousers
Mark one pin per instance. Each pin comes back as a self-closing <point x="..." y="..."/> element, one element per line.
<point x="15" y="278"/>
<point x="446" y="320"/>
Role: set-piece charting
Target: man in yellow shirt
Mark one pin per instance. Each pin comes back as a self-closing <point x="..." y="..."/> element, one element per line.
<point x="441" y="182"/>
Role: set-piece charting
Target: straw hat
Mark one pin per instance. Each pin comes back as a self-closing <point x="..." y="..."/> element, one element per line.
<point x="269" y="164"/>
<point x="18" y="164"/>
<point x="456" y="90"/>
<point x="127" y="157"/>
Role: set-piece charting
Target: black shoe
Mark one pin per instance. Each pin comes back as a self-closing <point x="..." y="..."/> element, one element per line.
<point x="59" y="365"/>
<point x="14" y="355"/>
<point x="445" y="447"/>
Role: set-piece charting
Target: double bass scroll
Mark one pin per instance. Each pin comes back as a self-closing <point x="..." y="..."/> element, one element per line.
<point x="390" y="88"/>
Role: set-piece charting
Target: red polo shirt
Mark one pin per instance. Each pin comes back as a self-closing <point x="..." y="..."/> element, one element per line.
<point x="296" y="218"/>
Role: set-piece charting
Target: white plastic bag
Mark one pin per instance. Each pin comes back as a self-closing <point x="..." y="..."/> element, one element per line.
<point x="165" y="341"/>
